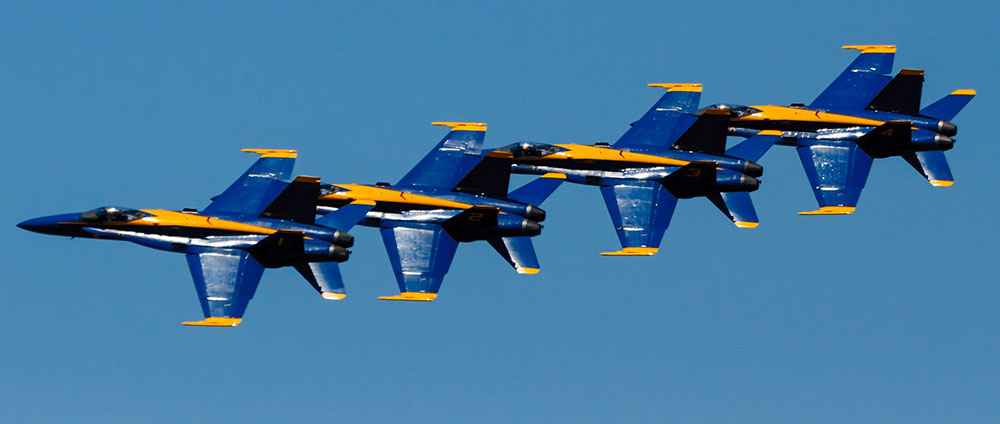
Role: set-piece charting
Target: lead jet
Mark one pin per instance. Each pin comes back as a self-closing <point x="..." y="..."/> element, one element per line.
<point x="450" y="196"/>
<point x="260" y="221"/>
<point x="863" y="115"/>
<point x="673" y="151"/>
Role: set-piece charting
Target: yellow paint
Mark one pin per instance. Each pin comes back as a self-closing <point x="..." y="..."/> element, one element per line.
<point x="333" y="296"/>
<point x="831" y="210"/>
<point x="274" y="153"/>
<point x="873" y="48"/>
<point x="746" y="224"/>
<point x="215" y="322"/>
<point x="693" y="88"/>
<point x="162" y="217"/>
<point x="463" y="126"/>
<point x="412" y="296"/>
<point x="528" y="271"/>
<point x="964" y="92"/>
<point x="716" y="111"/>
<point x="554" y="176"/>
<point x="364" y="193"/>
<point x="770" y="132"/>
<point x="633" y="251"/>
<point x="782" y="113"/>
<point x="363" y="202"/>
<point x="941" y="183"/>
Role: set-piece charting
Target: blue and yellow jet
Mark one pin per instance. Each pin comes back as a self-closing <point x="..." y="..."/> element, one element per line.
<point x="260" y="221"/>
<point x="673" y="151"/>
<point x="864" y="114"/>
<point x="450" y="196"/>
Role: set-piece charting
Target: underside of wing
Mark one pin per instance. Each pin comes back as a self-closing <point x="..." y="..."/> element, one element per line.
<point x="420" y="255"/>
<point x="641" y="213"/>
<point x="837" y="172"/>
<point x="225" y="280"/>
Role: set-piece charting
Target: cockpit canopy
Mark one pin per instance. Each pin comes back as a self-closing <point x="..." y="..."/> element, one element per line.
<point x="738" y="111"/>
<point x="530" y="150"/>
<point x="112" y="214"/>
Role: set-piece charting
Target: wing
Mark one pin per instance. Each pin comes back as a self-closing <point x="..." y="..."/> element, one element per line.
<point x="860" y="82"/>
<point x="226" y="280"/>
<point x="420" y="255"/>
<point x="641" y="212"/>
<point x="257" y="187"/>
<point x="837" y="173"/>
<point x="666" y="120"/>
<point x="449" y="161"/>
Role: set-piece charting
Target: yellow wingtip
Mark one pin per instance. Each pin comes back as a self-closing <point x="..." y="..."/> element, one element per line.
<point x="694" y="88"/>
<point x="554" y="176"/>
<point x="412" y="297"/>
<point x="333" y="296"/>
<point x="831" y="210"/>
<point x="215" y="322"/>
<point x="941" y="183"/>
<point x="463" y="126"/>
<point x="633" y="251"/>
<point x="872" y="48"/>
<point x="964" y="92"/>
<point x="746" y="224"/>
<point x="770" y="132"/>
<point x="527" y="271"/>
<point x="274" y="153"/>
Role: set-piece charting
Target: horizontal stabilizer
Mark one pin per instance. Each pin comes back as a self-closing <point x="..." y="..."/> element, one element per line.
<point x="296" y="203"/>
<point x="901" y="95"/>
<point x="737" y="206"/>
<point x="346" y="216"/>
<point x="518" y="252"/>
<point x="753" y="148"/>
<point x="932" y="165"/>
<point x="535" y="192"/>
<point x="948" y="107"/>
<point x="707" y="134"/>
<point x="325" y="278"/>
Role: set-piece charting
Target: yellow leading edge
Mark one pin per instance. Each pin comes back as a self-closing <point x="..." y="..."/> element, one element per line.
<point x="941" y="183"/>
<point x="215" y="322"/>
<point x="412" y="296"/>
<point x="873" y="48"/>
<point x="746" y="224"/>
<point x="831" y="210"/>
<point x="463" y="126"/>
<point x="964" y="92"/>
<point x="633" y="251"/>
<point x="694" y="88"/>
<point x="274" y="153"/>
<point x="333" y="296"/>
<point x="527" y="271"/>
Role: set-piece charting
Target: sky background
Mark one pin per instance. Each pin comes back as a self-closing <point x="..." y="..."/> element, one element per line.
<point x="889" y="315"/>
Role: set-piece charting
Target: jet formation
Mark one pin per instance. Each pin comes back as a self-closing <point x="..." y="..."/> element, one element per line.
<point x="459" y="192"/>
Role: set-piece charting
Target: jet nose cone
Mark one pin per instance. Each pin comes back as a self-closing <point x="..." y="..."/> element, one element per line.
<point x="49" y="225"/>
<point x="36" y="224"/>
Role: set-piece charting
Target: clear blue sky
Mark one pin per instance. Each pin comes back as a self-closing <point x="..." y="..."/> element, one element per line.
<point x="889" y="315"/>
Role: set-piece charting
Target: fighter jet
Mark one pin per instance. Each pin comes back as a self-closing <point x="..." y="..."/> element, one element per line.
<point x="863" y="115"/>
<point x="450" y="196"/>
<point x="260" y="221"/>
<point x="673" y="151"/>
